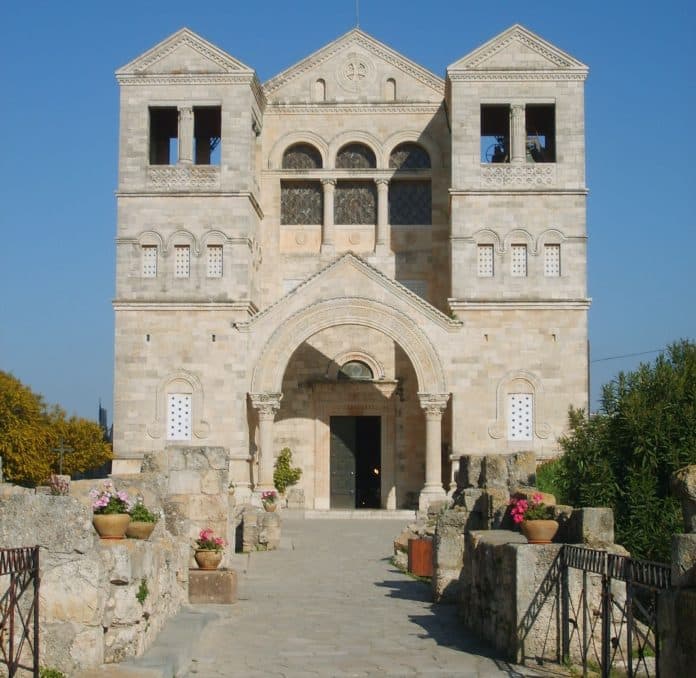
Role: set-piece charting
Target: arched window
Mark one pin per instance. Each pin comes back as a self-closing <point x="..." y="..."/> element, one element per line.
<point x="356" y="156"/>
<point x="355" y="370"/>
<point x="320" y="90"/>
<point x="390" y="89"/>
<point x="409" y="156"/>
<point x="301" y="156"/>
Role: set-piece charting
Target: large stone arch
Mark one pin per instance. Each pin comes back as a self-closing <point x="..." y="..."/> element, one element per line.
<point x="270" y="367"/>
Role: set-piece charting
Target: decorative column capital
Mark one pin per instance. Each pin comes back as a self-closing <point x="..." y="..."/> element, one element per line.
<point x="328" y="184"/>
<point x="267" y="404"/>
<point x="434" y="404"/>
<point x="382" y="183"/>
<point x="517" y="108"/>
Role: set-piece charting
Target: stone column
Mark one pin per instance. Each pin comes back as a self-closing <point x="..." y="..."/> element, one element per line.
<point x="327" y="231"/>
<point x="382" y="235"/>
<point x="434" y="405"/>
<point x="186" y="135"/>
<point x="266" y="404"/>
<point x="518" y="134"/>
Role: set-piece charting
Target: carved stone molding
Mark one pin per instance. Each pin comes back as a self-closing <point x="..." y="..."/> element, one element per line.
<point x="529" y="175"/>
<point x="267" y="404"/>
<point x="434" y="404"/>
<point x="185" y="382"/>
<point x="517" y="382"/>
<point x="183" y="177"/>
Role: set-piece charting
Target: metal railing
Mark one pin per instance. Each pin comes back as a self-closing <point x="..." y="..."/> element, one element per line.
<point x="627" y="637"/>
<point x="19" y="609"/>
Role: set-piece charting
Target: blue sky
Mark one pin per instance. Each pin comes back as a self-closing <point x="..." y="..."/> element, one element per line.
<point x="58" y="157"/>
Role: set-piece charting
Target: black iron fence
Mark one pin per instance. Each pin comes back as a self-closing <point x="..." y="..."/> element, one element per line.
<point x="622" y="634"/>
<point x="19" y="609"/>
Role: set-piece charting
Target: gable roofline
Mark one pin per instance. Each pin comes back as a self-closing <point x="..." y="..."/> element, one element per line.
<point x="558" y="59"/>
<point x="372" y="45"/>
<point x="373" y="273"/>
<point x="184" y="36"/>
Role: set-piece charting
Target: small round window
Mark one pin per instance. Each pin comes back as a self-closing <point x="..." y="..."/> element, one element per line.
<point x="355" y="369"/>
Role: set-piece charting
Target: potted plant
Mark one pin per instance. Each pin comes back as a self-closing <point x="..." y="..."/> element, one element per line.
<point x="142" y="521"/>
<point x="209" y="549"/>
<point x="270" y="500"/>
<point x="110" y="509"/>
<point x="534" y="518"/>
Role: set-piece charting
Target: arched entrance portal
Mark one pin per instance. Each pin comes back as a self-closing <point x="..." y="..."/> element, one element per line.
<point x="333" y="419"/>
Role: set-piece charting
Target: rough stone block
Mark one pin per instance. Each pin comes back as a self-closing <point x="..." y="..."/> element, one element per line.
<point x="469" y="471"/>
<point x="73" y="590"/>
<point x="684" y="560"/>
<point x="592" y="526"/>
<point x="676" y="621"/>
<point x="495" y="471"/>
<point x="218" y="458"/>
<point x="269" y="530"/>
<point x="217" y="587"/>
<point x="296" y="498"/>
<point x="213" y="482"/>
<point x="184" y="482"/>
<point x="521" y="469"/>
<point x="497" y="511"/>
<point x="684" y="487"/>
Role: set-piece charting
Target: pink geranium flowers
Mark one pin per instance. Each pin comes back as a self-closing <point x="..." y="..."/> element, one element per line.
<point x="522" y="509"/>
<point x="207" y="541"/>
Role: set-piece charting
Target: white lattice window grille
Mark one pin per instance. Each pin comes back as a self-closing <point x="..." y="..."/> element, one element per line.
<point x="148" y="255"/>
<point x="518" y="259"/>
<point x="485" y="261"/>
<point x="182" y="261"/>
<point x="178" y="416"/>
<point x="520" y="416"/>
<point x="214" y="261"/>
<point x="552" y="261"/>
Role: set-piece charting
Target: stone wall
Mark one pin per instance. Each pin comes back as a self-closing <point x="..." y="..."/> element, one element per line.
<point x="89" y="612"/>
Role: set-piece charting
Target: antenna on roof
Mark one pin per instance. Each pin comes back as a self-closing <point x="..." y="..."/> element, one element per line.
<point x="357" y="13"/>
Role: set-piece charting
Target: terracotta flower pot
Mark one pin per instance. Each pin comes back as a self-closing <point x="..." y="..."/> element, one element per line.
<point x="138" y="529"/>
<point x="270" y="506"/>
<point x="111" y="525"/>
<point x="208" y="560"/>
<point x="539" y="531"/>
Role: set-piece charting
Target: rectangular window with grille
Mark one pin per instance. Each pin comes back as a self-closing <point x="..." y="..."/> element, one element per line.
<point x="485" y="261"/>
<point x="214" y="261"/>
<point x="178" y="416"/>
<point x="182" y="261"/>
<point x="148" y="255"/>
<point x="518" y="261"/>
<point x="552" y="261"/>
<point x="520" y="416"/>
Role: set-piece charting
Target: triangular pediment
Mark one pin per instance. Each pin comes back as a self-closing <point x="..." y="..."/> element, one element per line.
<point x="355" y="67"/>
<point x="517" y="49"/>
<point x="184" y="52"/>
<point x="349" y="272"/>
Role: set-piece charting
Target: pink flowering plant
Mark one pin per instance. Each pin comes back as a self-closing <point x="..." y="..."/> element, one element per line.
<point x="270" y="497"/>
<point x="108" y="500"/>
<point x="521" y="509"/>
<point x="207" y="541"/>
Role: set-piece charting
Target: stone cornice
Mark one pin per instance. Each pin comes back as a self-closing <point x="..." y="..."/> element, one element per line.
<point x="515" y="76"/>
<point x="463" y="305"/>
<point x="518" y="191"/>
<point x="194" y="194"/>
<point x="247" y="307"/>
<point x="353" y="108"/>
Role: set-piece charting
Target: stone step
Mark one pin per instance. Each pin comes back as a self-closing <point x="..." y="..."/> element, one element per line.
<point x="171" y="653"/>
<point x="359" y="514"/>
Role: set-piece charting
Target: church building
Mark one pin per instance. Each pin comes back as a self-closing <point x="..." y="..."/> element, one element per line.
<point x="375" y="267"/>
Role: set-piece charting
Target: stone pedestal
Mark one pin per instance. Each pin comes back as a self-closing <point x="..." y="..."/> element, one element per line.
<point x="217" y="587"/>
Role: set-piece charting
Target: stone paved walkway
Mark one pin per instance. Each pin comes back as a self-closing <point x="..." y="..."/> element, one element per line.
<point x="335" y="606"/>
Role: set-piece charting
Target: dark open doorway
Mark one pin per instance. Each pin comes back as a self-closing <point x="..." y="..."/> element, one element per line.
<point x="355" y="462"/>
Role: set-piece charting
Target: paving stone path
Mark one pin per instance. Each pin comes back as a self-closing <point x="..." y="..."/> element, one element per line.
<point x="333" y="605"/>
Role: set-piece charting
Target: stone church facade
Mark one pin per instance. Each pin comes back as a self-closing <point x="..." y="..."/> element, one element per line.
<point x="377" y="268"/>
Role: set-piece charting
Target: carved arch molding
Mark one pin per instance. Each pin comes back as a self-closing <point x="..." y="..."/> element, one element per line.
<point x="270" y="367"/>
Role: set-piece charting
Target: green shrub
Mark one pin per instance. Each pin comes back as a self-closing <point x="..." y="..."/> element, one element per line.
<point x="623" y="457"/>
<point x="143" y="592"/>
<point x="50" y="673"/>
<point x="548" y="478"/>
<point x="141" y="514"/>
<point x="285" y="474"/>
